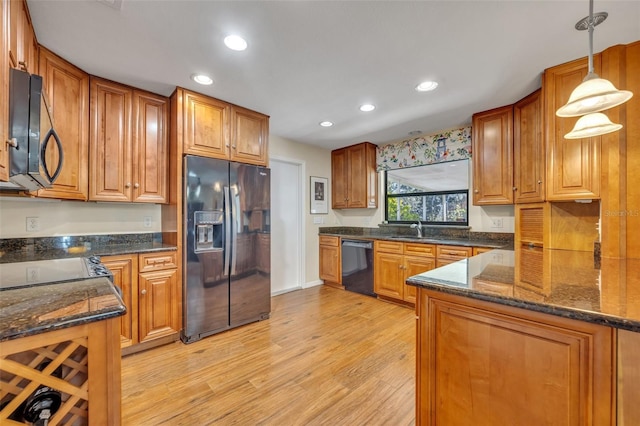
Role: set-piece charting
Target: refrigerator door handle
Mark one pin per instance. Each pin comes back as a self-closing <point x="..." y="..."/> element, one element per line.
<point x="227" y="230"/>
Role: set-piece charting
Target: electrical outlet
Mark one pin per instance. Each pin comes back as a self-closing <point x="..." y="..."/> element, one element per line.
<point x="496" y="223"/>
<point x="33" y="224"/>
<point x="33" y="274"/>
<point x="147" y="221"/>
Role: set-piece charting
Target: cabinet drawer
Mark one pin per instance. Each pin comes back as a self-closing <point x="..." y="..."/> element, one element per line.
<point x="326" y="240"/>
<point x="423" y="250"/>
<point x="389" y="246"/>
<point x="157" y="261"/>
<point x="454" y="251"/>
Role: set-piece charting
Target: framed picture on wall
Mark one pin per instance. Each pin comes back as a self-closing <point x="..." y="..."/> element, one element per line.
<point x="318" y="195"/>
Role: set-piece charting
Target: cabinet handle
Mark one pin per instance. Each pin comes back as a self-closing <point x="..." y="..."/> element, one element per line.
<point x="476" y="191"/>
<point x="233" y="146"/>
<point x="127" y="185"/>
<point x="539" y="182"/>
<point x="12" y="142"/>
<point x="136" y="185"/>
<point x="23" y="65"/>
<point x="514" y="188"/>
<point x="143" y="292"/>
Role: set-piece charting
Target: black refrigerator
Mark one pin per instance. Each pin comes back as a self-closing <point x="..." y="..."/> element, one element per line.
<point x="226" y="246"/>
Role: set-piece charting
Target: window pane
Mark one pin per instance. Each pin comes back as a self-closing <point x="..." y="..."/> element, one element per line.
<point x="435" y="208"/>
<point x="457" y="208"/>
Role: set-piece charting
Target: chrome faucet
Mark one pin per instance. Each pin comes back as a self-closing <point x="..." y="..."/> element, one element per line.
<point x="418" y="227"/>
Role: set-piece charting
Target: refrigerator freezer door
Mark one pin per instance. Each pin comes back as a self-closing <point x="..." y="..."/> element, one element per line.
<point x="206" y="282"/>
<point x="250" y="280"/>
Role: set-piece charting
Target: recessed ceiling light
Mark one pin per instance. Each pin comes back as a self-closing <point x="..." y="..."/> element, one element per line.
<point x="202" y="79"/>
<point x="326" y="123"/>
<point x="235" y="42"/>
<point x="426" y="86"/>
<point x="367" y="107"/>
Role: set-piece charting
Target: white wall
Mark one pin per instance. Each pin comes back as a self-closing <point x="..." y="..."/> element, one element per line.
<point x="58" y="218"/>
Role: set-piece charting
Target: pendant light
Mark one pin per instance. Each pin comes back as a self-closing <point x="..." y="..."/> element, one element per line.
<point x="593" y="124"/>
<point x="594" y="94"/>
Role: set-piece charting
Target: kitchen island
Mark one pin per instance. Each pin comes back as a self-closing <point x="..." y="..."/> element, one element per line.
<point x="529" y="337"/>
<point x="64" y="336"/>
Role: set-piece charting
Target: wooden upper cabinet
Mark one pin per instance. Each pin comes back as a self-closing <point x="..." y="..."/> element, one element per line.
<point x="354" y="182"/>
<point x="492" y="142"/>
<point x="528" y="150"/>
<point x="23" y="46"/>
<point x="150" y="147"/>
<point x="67" y="91"/>
<point x="110" y="153"/>
<point x="4" y="91"/>
<point x="205" y="125"/>
<point x="249" y="136"/>
<point x="573" y="165"/>
<point x="127" y="162"/>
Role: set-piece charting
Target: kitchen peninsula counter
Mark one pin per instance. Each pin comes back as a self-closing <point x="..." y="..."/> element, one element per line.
<point x="531" y="336"/>
<point x="65" y="336"/>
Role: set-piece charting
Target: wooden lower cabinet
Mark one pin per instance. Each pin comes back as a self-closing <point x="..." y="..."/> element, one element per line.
<point x="480" y="363"/>
<point x="450" y="254"/>
<point x="152" y="294"/>
<point x="330" y="259"/>
<point x="394" y="263"/>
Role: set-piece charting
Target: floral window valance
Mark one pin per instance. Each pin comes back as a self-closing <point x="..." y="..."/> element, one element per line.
<point x="438" y="148"/>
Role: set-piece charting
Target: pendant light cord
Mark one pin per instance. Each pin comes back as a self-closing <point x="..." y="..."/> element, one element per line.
<point x="591" y="27"/>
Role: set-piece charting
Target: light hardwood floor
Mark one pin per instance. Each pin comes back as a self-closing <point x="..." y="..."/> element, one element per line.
<point x="325" y="357"/>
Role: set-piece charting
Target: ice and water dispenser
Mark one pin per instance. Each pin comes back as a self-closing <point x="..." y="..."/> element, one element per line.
<point x="209" y="231"/>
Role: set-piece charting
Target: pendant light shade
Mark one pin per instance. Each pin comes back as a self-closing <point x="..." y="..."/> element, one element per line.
<point x="593" y="124"/>
<point x="593" y="95"/>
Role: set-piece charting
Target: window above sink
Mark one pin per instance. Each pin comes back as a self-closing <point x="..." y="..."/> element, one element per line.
<point x="435" y="194"/>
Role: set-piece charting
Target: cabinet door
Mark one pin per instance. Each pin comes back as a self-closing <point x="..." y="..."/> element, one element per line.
<point x="67" y="90"/>
<point x="125" y="277"/>
<point x="4" y="91"/>
<point x="339" y="183"/>
<point x="389" y="275"/>
<point x="528" y="150"/>
<point x="551" y="370"/>
<point x="158" y="307"/>
<point x="249" y="136"/>
<point x="330" y="263"/>
<point x="357" y="176"/>
<point x="23" y="47"/>
<point x="150" y="148"/>
<point x="205" y="126"/>
<point x="110" y="142"/>
<point x="492" y="156"/>
<point x="414" y="266"/>
<point x="573" y="164"/>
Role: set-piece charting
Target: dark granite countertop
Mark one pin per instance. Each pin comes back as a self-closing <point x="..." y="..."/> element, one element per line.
<point x="566" y="283"/>
<point x="38" y="309"/>
<point x="23" y="250"/>
<point x="456" y="239"/>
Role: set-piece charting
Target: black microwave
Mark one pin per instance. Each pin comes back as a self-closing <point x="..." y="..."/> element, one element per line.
<point x="31" y="130"/>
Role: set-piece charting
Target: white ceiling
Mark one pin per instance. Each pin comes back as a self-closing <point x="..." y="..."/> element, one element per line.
<point x="310" y="61"/>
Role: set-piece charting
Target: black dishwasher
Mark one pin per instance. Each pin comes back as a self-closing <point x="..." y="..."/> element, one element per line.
<point x="357" y="266"/>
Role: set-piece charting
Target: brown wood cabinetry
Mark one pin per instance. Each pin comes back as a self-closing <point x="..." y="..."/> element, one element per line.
<point x="249" y="136"/>
<point x="492" y="146"/>
<point x="4" y="91"/>
<point x="450" y="254"/>
<point x="397" y="261"/>
<point x="485" y="364"/>
<point x="23" y="46"/>
<point x="152" y="294"/>
<point x="216" y="129"/>
<point x="354" y="182"/>
<point x="528" y="150"/>
<point x="127" y="163"/>
<point x="330" y="260"/>
<point x="573" y="164"/>
<point x="125" y="273"/>
<point x="67" y="90"/>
